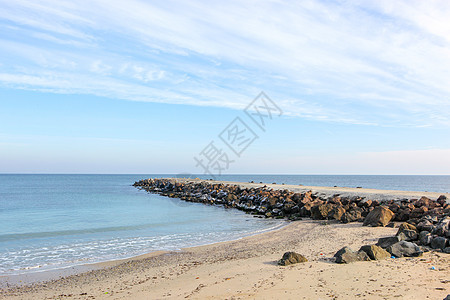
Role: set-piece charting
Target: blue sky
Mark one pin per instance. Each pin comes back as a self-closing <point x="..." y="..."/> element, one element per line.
<point x="143" y="87"/>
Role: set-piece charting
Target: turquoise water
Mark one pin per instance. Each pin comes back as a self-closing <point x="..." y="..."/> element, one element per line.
<point x="54" y="221"/>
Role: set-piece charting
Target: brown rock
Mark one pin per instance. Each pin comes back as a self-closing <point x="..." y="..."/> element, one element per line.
<point x="418" y="212"/>
<point x="406" y="226"/>
<point x="351" y="216"/>
<point x="336" y="213"/>
<point x="424" y="201"/>
<point x="403" y="214"/>
<point x="394" y="207"/>
<point x="290" y="258"/>
<point x="321" y="211"/>
<point x="379" y="216"/>
<point x="375" y="252"/>
<point x="442" y="200"/>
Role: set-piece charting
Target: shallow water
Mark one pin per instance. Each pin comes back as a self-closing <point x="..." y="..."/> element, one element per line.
<point x="54" y="221"/>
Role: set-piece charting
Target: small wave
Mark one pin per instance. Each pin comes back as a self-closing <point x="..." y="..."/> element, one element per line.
<point x="70" y="254"/>
<point x="45" y="234"/>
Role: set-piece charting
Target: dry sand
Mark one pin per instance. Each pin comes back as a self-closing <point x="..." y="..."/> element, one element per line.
<point x="247" y="268"/>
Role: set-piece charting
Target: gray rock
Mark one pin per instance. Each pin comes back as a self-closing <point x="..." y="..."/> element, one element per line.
<point x="408" y="235"/>
<point x="446" y="250"/>
<point x="425" y="225"/>
<point x="388" y="241"/>
<point x="448" y="297"/>
<point x="404" y="248"/>
<point x="347" y="255"/>
<point x="441" y="228"/>
<point x="425" y="238"/>
<point x="375" y="252"/>
<point x="439" y="243"/>
<point x="290" y="258"/>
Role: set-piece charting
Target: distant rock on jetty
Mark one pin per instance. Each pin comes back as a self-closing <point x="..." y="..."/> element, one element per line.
<point x="276" y="203"/>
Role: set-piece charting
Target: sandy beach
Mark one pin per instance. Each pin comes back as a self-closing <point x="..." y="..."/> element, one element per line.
<point x="247" y="269"/>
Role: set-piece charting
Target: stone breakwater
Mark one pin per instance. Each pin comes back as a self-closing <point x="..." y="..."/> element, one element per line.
<point x="429" y="217"/>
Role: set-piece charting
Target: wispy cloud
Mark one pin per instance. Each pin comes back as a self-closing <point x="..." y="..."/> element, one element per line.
<point x="380" y="62"/>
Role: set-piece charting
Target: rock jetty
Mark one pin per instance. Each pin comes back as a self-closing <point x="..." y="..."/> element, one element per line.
<point x="426" y="222"/>
<point x="278" y="203"/>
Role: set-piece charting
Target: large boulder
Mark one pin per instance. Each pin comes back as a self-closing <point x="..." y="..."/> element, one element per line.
<point x="337" y="213"/>
<point x="404" y="248"/>
<point x="418" y="212"/>
<point x="290" y="258"/>
<point x="424" y="201"/>
<point x="379" y="216"/>
<point x="388" y="241"/>
<point x="439" y="242"/>
<point x="320" y="212"/>
<point x="375" y="252"/>
<point x="403" y="214"/>
<point x="442" y="200"/>
<point x="406" y="226"/>
<point x="425" y="225"/>
<point x="351" y="216"/>
<point x="442" y="226"/>
<point x="347" y="255"/>
<point x="407" y="232"/>
<point x="425" y="238"/>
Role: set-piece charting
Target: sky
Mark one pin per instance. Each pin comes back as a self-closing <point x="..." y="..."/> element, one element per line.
<point x="349" y="87"/>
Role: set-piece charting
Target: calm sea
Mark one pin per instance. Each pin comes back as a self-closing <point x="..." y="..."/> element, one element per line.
<point x="55" y="221"/>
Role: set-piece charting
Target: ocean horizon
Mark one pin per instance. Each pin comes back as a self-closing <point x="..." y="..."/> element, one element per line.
<point x="51" y="221"/>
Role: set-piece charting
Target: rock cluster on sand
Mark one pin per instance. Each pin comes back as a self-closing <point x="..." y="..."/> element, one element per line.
<point x="290" y="258"/>
<point x="267" y="202"/>
<point x="428" y="232"/>
<point x="366" y="253"/>
<point x="375" y="252"/>
<point x="347" y="255"/>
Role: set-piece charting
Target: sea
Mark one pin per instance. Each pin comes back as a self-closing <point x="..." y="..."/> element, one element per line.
<point x="56" y="221"/>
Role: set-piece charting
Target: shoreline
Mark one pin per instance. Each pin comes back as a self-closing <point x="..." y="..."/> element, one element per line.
<point x="42" y="276"/>
<point x="247" y="268"/>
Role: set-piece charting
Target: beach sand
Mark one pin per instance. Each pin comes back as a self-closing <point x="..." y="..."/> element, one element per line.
<point x="247" y="269"/>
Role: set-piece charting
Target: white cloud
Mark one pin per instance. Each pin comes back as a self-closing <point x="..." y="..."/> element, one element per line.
<point x="363" y="62"/>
